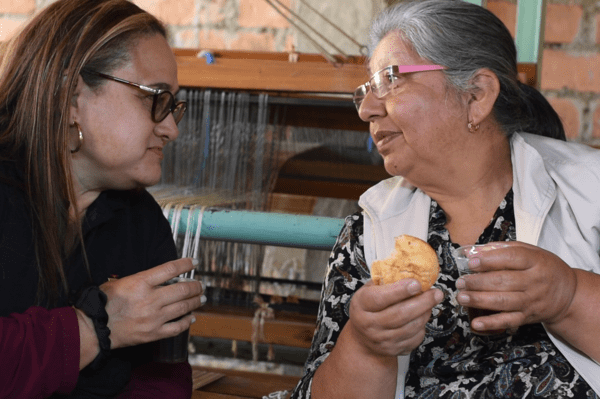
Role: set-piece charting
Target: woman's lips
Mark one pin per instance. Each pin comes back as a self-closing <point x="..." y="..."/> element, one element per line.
<point x="384" y="138"/>
<point x="158" y="151"/>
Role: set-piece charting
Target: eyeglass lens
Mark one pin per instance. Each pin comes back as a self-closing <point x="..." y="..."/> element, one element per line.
<point x="164" y="103"/>
<point x="380" y="84"/>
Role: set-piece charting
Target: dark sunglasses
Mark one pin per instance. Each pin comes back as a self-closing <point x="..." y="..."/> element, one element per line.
<point x="163" y="101"/>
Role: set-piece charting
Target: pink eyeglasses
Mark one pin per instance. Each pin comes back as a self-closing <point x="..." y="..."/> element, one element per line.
<point x="382" y="82"/>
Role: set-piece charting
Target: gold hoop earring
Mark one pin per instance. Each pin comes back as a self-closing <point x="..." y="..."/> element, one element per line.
<point x="472" y="128"/>
<point x="75" y="124"/>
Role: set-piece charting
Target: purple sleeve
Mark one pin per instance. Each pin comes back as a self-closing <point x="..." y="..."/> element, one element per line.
<point x="160" y="380"/>
<point x="40" y="352"/>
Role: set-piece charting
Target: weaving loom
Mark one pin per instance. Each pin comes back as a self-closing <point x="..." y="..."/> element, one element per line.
<point x="261" y="126"/>
<point x="255" y="128"/>
<point x="263" y="136"/>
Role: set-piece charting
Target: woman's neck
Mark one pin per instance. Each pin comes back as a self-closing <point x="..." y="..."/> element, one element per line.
<point x="470" y="198"/>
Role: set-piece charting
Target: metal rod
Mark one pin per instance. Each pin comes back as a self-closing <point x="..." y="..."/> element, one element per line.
<point x="362" y="48"/>
<point x="322" y="50"/>
<point x="266" y="228"/>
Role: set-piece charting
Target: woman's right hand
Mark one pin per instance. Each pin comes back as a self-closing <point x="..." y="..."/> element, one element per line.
<point x="140" y="310"/>
<point x="389" y="320"/>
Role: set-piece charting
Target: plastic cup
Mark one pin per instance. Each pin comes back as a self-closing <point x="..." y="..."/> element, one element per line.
<point x="462" y="259"/>
<point x="172" y="349"/>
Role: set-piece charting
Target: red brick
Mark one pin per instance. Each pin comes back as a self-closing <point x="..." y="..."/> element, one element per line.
<point x="8" y="27"/>
<point x="255" y="13"/>
<point x="150" y="6"/>
<point x="562" y="23"/>
<point x="211" y="40"/>
<point x="17" y="6"/>
<point x="253" y="42"/>
<point x="213" y="12"/>
<point x="176" y="12"/>
<point x="569" y="115"/>
<point x="579" y="73"/>
<point x="506" y="11"/>
<point x="185" y="38"/>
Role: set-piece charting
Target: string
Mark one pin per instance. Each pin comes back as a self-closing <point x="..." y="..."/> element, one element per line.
<point x="176" y="217"/>
<point x="188" y="233"/>
<point x="324" y="52"/>
<point x="362" y="48"/>
<point x="196" y="244"/>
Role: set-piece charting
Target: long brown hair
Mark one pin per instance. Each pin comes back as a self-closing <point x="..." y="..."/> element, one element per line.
<point x="38" y="75"/>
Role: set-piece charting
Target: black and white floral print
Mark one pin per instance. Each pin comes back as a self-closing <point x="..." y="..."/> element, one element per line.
<point x="451" y="362"/>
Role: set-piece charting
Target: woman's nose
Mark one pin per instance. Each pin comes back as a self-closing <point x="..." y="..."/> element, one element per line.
<point x="371" y="108"/>
<point x="167" y="129"/>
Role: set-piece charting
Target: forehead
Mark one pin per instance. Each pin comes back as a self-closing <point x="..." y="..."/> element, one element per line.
<point x="153" y="62"/>
<point x="393" y="50"/>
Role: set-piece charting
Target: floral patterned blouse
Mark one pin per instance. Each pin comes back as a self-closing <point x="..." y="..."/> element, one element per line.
<point x="451" y="362"/>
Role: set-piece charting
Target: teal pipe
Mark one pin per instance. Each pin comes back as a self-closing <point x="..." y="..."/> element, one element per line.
<point x="266" y="228"/>
<point x="477" y="2"/>
<point x="529" y="34"/>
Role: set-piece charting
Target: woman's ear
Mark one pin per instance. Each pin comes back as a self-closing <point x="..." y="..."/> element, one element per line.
<point x="484" y="95"/>
<point x="74" y="106"/>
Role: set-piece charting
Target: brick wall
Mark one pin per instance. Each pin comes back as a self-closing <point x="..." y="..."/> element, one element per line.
<point x="570" y="70"/>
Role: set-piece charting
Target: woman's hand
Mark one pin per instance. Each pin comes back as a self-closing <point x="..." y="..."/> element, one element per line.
<point x="140" y="310"/>
<point x="389" y="320"/>
<point x="526" y="283"/>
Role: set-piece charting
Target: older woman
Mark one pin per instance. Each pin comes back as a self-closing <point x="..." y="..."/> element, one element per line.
<point x="86" y="107"/>
<point x="465" y="143"/>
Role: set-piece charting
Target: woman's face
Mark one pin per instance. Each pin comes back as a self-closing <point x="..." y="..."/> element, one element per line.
<point x="418" y="128"/>
<point x="122" y="147"/>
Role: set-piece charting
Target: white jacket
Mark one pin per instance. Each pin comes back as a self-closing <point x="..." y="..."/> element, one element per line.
<point x="556" y="188"/>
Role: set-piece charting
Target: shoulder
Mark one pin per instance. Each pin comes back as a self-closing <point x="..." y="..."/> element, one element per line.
<point x="139" y="210"/>
<point x="559" y="153"/>
<point x="574" y="167"/>
<point x="139" y="203"/>
<point x="388" y="197"/>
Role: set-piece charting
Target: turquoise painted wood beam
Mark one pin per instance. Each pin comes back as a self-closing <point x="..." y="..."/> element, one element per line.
<point x="266" y="228"/>
<point x="529" y="32"/>
<point x="477" y="2"/>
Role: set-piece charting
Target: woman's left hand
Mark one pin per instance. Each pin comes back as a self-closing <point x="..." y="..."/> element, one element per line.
<point x="526" y="283"/>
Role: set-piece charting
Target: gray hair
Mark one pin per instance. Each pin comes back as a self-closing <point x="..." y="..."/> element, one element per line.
<point x="465" y="38"/>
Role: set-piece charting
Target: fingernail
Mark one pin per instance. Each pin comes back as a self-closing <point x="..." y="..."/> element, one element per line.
<point x="195" y="262"/>
<point x="463" y="298"/>
<point x="203" y="299"/>
<point x="474" y="263"/>
<point x="193" y="319"/>
<point x="414" y="288"/>
<point x="439" y="296"/>
<point x="477" y="325"/>
<point x="460" y="283"/>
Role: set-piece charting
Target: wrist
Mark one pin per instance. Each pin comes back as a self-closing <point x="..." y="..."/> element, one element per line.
<point x="90" y="306"/>
<point x="352" y="339"/>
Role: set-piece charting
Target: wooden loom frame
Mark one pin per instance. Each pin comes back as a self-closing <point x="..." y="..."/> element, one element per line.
<point x="314" y="83"/>
<point x="311" y="78"/>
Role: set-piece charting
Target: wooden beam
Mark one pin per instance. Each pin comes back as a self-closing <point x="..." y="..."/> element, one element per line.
<point x="270" y="75"/>
<point x="225" y="322"/>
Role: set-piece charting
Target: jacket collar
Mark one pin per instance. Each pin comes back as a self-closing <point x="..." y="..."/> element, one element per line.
<point x="405" y="208"/>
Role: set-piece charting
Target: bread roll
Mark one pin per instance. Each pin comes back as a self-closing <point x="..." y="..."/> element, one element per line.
<point x="411" y="258"/>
